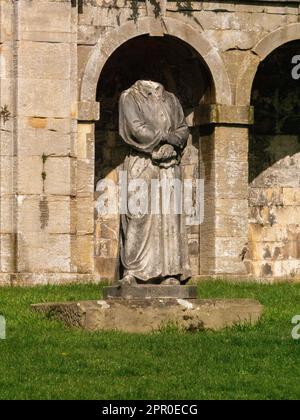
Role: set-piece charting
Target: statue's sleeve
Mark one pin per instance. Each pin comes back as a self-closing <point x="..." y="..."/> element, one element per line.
<point x="181" y="128"/>
<point x="132" y="127"/>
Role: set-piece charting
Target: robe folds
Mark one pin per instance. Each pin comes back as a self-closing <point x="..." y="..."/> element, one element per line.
<point x="154" y="244"/>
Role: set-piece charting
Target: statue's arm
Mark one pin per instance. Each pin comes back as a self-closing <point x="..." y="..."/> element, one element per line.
<point x="133" y="128"/>
<point x="179" y="137"/>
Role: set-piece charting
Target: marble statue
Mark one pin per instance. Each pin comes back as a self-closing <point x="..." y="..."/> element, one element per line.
<point x="154" y="245"/>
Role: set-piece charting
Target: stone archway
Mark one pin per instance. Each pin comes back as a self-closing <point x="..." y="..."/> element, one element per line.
<point x="274" y="162"/>
<point x="261" y="50"/>
<point x="182" y="71"/>
<point x="209" y="153"/>
<point x="271" y="183"/>
<point x="154" y="27"/>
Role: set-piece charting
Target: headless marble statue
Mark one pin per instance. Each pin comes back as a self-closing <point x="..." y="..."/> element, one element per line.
<point x="154" y="247"/>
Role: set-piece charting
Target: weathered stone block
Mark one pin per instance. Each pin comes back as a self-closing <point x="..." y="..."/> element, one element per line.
<point x="51" y="214"/>
<point x="42" y="60"/>
<point x="290" y="215"/>
<point x="266" y="197"/>
<point x="231" y="144"/>
<point x="6" y="139"/>
<point x="232" y="39"/>
<point x="260" y="233"/>
<point x="289" y="269"/>
<point x="42" y="252"/>
<point x="38" y="140"/>
<point x="249" y="8"/>
<point x="230" y="266"/>
<point x="107" y="268"/>
<point x="269" y="271"/>
<point x="45" y="98"/>
<point x="6" y="21"/>
<point x="7" y="256"/>
<point x="46" y="21"/>
<point x="85" y="176"/>
<point x="150" y="292"/>
<point x="30" y="175"/>
<point x="231" y="226"/>
<point x="88" y="111"/>
<point x="216" y="6"/>
<point x="229" y="176"/>
<point x="62" y="126"/>
<point x="43" y="279"/>
<point x="7" y="164"/>
<point x="269" y="22"/>
<point x="5" y="279"/>
<point x="59" y="176"/>
<point x="6" y="60"/>
<point x="226" y="247"/>
<point x="85" y="214"/>
<point x="291" y="196"/>
<point x="7" y="223"/>
<point x="85" y="147"/>
<point x="145" y="316"/>
<point x="83" y="254"/>
<point x="195" y="264"/>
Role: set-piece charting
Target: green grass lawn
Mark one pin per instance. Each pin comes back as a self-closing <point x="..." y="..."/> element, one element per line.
<point x="42" y="359"/>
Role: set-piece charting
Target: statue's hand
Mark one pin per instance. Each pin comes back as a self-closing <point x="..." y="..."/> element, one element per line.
<point x="165" y="152"/>
<point x="174" y="140"/>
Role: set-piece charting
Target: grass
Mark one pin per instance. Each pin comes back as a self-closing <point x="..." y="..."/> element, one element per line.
<point x="42" y="359"/>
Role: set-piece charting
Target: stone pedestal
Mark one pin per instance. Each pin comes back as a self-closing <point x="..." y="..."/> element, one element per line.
<point x="144" y="309"/>
<point x="150" y="292"/>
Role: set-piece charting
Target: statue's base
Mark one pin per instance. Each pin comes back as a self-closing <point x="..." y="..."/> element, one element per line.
<point x="147" y="315"/>
<point x="150" y="292"/>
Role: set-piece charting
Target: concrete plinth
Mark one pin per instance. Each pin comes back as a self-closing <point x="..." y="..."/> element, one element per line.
<point x="147" y="315"/>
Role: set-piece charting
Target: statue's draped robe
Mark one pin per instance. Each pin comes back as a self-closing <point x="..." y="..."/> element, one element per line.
<point x="153" y="246"/>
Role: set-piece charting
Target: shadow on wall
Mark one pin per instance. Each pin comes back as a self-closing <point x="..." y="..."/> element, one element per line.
<point x="274" y="169"/>
<point x="181" y="70"/>
<point x="166" y="60"/>
<point x="276" y="98"/>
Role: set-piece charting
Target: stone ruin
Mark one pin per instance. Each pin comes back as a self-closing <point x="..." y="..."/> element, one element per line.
<point x="64" y="63"/>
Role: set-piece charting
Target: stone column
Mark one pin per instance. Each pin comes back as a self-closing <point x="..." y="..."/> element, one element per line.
<point x="83" y="256"/>
<point x="46" y="129"/>
<point x="224" y="156"/>
<point x="97" y="235"/>
<point x="7" y="152"/>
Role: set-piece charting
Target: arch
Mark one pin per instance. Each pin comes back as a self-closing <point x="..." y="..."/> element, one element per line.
<point x="146" y="26"/>
<point x="274" y="157"/>
<point x="261" y="50"/>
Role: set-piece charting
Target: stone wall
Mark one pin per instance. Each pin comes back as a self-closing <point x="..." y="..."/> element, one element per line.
<point x="51" y="58"/>
<point x="39" y="202"/>
<point x="7" y="123"/>
<point x="274" y="243"/>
